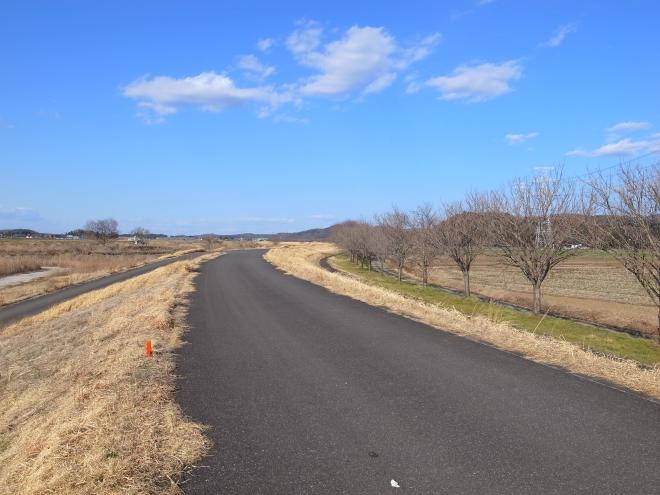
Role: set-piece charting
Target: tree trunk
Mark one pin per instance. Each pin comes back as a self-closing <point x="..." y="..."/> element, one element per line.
<point x="400" y="270"/>
<point x="659" y="324"/>
<point x="537" y="298"/>
<point x="466" y="283"/>
<point x="425" y="275"/>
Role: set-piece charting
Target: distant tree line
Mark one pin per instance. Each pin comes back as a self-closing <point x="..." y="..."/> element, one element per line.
<point x="106" y="229"/>
<point x="534" y="225"/>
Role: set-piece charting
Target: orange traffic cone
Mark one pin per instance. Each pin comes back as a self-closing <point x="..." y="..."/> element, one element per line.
<point x="149" y="352"/>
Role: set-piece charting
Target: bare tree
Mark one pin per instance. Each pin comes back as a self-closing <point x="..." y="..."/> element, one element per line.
<point x="461" y="235"/>
<point x="209" y="240"/>
<point x="365" y="244"/>
<point x="532" y="224"/>
<point x="140" y="235"/>
<point x="424" y="248"/>
<point x="396" y="230"/>
<point x="625" y="222"/>
<point x="379" y="246"/>
<point x="103" y="230"/>
<point x="345" y="235"/>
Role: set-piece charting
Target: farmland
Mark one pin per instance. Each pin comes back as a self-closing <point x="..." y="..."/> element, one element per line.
<point x="591" y="287"/>
<point x="80" y="260"/>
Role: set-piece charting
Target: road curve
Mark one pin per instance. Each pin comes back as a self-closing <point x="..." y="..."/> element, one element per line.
<point x="29" y="307"/>
<point x="310" y="392"/>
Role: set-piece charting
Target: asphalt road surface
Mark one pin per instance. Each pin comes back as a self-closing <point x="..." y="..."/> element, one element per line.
<point x="30" y="307"/>
<point x="308" y="392"/>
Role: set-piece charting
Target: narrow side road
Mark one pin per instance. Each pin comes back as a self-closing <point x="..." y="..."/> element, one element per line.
<point x="29" y="307"/>
<point x="310" y="392"/>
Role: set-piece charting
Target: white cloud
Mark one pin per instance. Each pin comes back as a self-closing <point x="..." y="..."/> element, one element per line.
<point x="420" y="50"/>
<point x="558" y="38"/>
<point x="475" y="83"/>
<point x="625" y="146"/>
<point x="364" y="59"/>
<point x="209" y="91"/>
<point x="629" y="126"/>
<point x="265" y="44"/>
<point x="412" y="83"/>
<point x="519" y="138"/>
<point x="622" y="147"/>
<point x="254" y="67"/>
<point x="360" y="60"/>
<point x="305" y="40"/>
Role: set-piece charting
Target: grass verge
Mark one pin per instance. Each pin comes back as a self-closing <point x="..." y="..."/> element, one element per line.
<point x="301" y="260"/>
<point x="79" y="269"/>
<point x="586" y="336"/>
<point x="82" y="409"/>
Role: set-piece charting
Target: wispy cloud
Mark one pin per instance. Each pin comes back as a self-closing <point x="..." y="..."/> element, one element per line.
<point x="520" y="138"/>
<point x="559" y="35"/>
<point x="458" y="14"/>
<point x="477" y="83"/>
<point x="628" y="126"/>
<point x="622" y="146"/>
<point x="254" y="68"/>
<point x="265" y="44"/>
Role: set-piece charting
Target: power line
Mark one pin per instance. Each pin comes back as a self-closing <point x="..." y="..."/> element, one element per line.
<point x="623" y="162"/>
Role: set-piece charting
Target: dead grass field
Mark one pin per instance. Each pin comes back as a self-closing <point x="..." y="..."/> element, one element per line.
<point x="302" y="260"/>
<point x="82" y="409"/>
<point x="9" y="265"/>
<point x="592" y="288"/>
<point x="83" y="260"/>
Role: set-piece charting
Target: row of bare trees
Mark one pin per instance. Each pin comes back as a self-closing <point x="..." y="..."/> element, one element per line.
<point x="533" y="225"/>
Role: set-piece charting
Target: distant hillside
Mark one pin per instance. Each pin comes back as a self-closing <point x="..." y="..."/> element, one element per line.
<point x="21" y="233"/>
<point x="305" y="235"/>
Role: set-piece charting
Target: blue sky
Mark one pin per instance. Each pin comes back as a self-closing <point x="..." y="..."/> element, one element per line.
<point x="189" y="117"/>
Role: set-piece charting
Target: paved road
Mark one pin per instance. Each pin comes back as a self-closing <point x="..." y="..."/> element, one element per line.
<point x="36" y="305"/>
<point x="308" y="392"/>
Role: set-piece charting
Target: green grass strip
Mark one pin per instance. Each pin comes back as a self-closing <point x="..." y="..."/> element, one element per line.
<point x="595" y="338"/>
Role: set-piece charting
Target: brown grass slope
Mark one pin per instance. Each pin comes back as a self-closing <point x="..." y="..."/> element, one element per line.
<point x="82" y="409"/>
<point x="302" y="260"/>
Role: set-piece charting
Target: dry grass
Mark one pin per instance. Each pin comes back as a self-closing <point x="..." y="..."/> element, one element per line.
<point x="10" y="265"/>
<point x="82" y="261"/>
<point x="301" y="260"/>
<point x="82" y="409"/>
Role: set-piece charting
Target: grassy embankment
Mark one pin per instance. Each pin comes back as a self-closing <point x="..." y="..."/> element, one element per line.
<point x="82" y="409"/>
<point x="587" y="336"/>
<point x="485" y="324"/>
